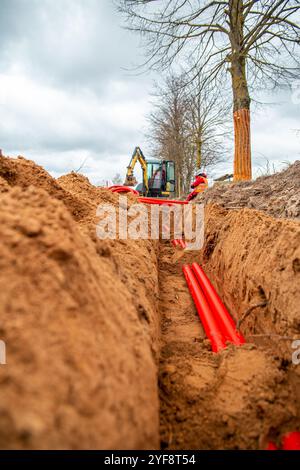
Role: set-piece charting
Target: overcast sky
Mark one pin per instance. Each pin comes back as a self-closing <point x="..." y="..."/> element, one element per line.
<point x="65" y="95"/>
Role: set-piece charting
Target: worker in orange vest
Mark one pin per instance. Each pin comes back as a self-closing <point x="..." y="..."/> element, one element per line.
<point x="199" y="185"/>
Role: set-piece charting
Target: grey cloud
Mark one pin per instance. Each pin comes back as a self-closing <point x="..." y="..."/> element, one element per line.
<point x="70" y="43"/>
<point x="64" y="88"/>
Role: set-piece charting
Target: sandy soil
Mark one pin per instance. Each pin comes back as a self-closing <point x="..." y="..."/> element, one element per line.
<point x="81" y="337"/>
<point x="277" y="195"/>
<point x="254" y="259"/>
<point x="97" y="331"/>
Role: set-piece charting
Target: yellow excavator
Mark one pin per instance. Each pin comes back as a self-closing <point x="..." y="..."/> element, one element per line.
<point x="158" y="176"/>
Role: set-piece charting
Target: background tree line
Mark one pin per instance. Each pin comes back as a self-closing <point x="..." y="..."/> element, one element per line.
<point x="187" y="125"/>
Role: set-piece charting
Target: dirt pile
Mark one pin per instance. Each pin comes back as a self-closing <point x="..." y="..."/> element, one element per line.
<point x="25" y="173"/>
<point x="80" y="187"/>
<point x="80" y="330"/>
<point x="4" y="186"/>
<point x="277" y="195"/>
<point x="134" y="260"/>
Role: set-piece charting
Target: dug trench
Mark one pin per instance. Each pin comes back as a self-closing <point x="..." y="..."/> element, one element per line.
<point x="103" y="338"/>
<point x="242" y="397"/>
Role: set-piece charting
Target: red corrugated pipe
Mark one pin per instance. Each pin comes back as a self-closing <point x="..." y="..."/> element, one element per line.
<point x="158" y="203"/>
<point x="180" y="243"/>
<point x="124" y="189"/>
<point x="211" y="326"/>
<point x="291" y="441"/>
<point x="224" y="319"/>
<point x="272" y="446"/>
<point x="154" y="200"/>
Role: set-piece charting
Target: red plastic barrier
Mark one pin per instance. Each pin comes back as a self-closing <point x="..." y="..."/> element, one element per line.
<point x="224" y="319"/>
<point x="175" y="242"/>
<point x="291" y="441"/>
<point x="211" y="327"/>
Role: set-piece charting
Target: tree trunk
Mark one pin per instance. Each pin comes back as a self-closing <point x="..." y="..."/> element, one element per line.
<point x="199" y="152"/>
<point x="241" y="117"/>
<point x="241" y="97"/>
<point x="242" y="145"/>
<point x="177" y="176"/>
<point x="178" y="192"/>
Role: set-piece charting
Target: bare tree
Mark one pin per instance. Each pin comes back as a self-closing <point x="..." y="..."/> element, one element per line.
<point x="186" y="126"/>
<point x="207" y="118"/>
<point x="167" y="125"/>
<point x="255" y="40"/>
<point x="117" y="179"/>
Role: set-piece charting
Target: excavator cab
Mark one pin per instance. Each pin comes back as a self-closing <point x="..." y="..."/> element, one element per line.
<point x="161" y="178"/>
<point x="158" y="176"/>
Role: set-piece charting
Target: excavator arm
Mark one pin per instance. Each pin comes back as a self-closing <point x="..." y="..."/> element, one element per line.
<point x="130" y="179"/>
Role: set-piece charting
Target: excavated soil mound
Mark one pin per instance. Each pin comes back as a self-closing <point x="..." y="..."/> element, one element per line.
<point x="80" y="187"/>
<point x="25" y="173"/>
<point x="134" y="260"/>
<point x="79" y="324"/>
<point x="4" y="186"/>
<point x="277" y="195"/>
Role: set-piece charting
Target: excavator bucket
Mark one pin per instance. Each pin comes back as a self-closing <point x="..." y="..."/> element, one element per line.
<point x="130" y="181"/>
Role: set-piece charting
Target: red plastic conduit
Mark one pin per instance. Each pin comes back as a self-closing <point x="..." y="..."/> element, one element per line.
<point x="291" y="441"/>
<point x="125" y="189"/>
<point x="160" y="201"/>
<point x="224" y="319"/>
<point x="211" y="327"/>
<point x="155" y="202"/>
<point x="182" y="244"/>
<point x="272" y="446"/>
